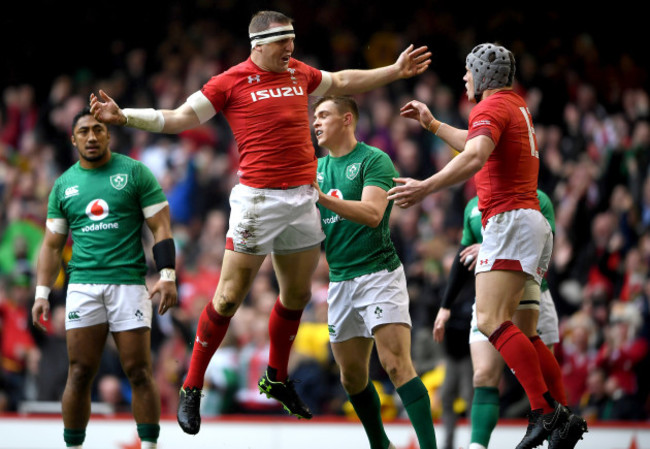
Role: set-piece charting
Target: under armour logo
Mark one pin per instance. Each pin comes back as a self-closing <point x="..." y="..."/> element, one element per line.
<point x="483" y="262"/>
<point x="255" y="78"/>
<point x="202" y="343"/>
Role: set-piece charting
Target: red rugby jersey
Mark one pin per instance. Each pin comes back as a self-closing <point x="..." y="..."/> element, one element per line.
<point x="268" y="113"/>
<point x="508" y="180"/>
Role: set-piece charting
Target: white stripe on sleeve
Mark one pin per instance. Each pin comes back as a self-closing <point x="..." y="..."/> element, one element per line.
<point x="57" y="225"/>
<point x="202" y="106"/>
<point x="152" y="210"/>
<point x="324" y="85"/>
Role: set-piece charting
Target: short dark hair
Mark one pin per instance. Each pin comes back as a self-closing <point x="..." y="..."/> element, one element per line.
<point x="343" y="103"/>
<point x="84" y="112"/>
<point x="262" y="20"/>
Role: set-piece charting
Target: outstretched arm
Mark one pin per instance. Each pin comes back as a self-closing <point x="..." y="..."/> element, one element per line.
<point x="459" y="169"/>
<point x="411" y="62"/>
<point x="454" y="137"/>
<point x="155" y="120"/>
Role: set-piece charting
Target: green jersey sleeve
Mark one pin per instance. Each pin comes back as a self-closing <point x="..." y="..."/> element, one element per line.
<point x="379" y="171"/>
<point x="149" y="189"/>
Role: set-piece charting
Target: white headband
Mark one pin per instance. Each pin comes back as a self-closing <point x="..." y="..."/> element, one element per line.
<point x="271" y="35"/>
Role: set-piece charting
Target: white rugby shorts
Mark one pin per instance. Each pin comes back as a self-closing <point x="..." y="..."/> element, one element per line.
<point x="123" y="307"/>
<point x="357" y="306"/>
<point x="264" y="221"/>
<point x="547" y="324"/>
<point x="516" y="240"/>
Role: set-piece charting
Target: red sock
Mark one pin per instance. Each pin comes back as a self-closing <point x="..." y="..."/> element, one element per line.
<point x="519" y="354"/>
<point x="209" y="334"/>
<point x="550" y="370"/>
<point x="283" y="327"/>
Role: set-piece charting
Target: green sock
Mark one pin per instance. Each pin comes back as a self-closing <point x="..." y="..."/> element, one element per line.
<point x="485" y="414"/>
<point x="74" y="437"/>
<point x="415" y="398"/>
<point x="368" y="408"/>
<point x="148" y="432"/>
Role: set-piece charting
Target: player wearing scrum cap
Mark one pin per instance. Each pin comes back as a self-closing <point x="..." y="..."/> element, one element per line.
<point x="501" y="149"/>
<point x="265" y="100"/>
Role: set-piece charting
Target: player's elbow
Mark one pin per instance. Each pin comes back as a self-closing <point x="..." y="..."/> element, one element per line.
<point x="375" y="220"/>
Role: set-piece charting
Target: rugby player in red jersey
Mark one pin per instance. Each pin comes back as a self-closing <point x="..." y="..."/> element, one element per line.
<point x="273" y="208"/>
<point x="500" y="149"/>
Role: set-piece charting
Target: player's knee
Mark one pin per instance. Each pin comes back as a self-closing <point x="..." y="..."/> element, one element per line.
<point x="486" y="376"/>
<point x="354" y="382"/>
<point x="225" y="305"/>
<point x="138" y="374"/>
<point x="80" y="375"/>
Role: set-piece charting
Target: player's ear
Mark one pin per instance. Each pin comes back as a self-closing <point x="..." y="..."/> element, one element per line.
<point x="74" y="142"/>
<point x="347" y="118"/>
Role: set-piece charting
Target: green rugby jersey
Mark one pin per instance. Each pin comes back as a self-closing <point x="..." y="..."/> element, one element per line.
<point x="353" y="249"/>
<point x="103" y="208"/>
<point x="473" y="230"/>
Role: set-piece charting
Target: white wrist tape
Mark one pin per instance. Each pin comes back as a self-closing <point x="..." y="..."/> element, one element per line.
<point x="42" y="292"/>
<point x="145" y="119"/>
<point x="168" y="274"/>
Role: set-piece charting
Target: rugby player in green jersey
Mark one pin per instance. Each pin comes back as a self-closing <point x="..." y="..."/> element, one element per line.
<point x="367" y="296"/>
<point x="102" y="201"/>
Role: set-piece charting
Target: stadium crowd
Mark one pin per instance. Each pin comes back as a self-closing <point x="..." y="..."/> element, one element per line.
<point x="592" y="117"/>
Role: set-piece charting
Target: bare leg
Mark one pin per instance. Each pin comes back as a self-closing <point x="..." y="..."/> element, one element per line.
<point x="294" y="272"/>
<point x="85" y="347"/>
<point x="135" y="355"/>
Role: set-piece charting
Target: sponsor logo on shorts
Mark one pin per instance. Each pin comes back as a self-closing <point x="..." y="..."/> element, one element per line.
<point x="139" y="315"/>
<point x="331" y="329"/>
<point x="483" y="262"/>
<point x="74" y="315"/>
<point x="379" y="312"/>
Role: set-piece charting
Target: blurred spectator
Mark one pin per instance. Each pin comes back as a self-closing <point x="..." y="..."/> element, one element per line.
<point x="16" y="342"/>
<point x="576" y="353"/>
<point x="619" y="356"/>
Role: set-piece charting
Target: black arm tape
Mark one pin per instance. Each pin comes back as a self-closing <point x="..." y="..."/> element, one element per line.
<point x="164" y="254"/>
